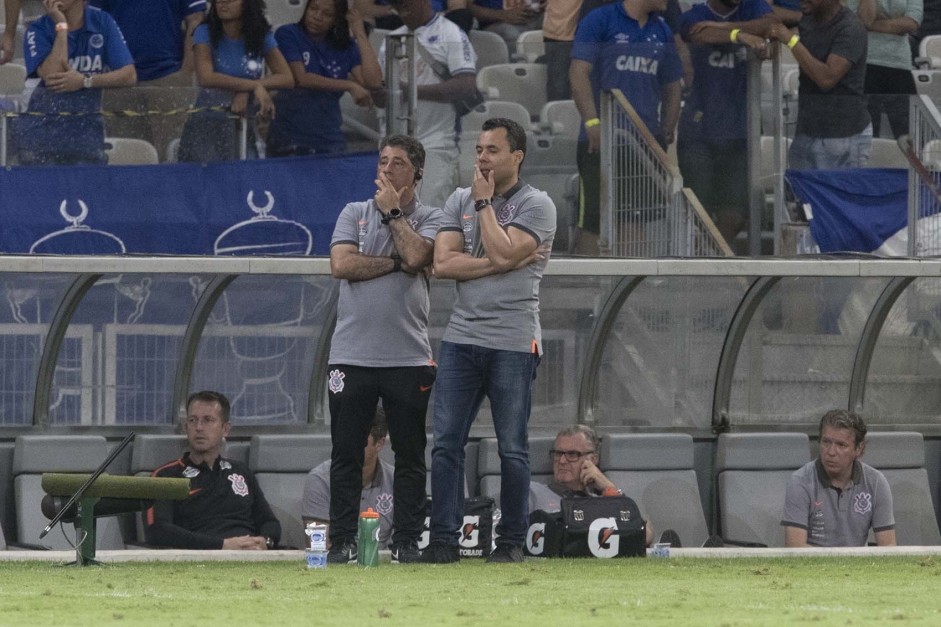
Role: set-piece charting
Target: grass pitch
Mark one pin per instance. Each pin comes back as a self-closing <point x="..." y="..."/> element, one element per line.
<point x="677" y="591"/>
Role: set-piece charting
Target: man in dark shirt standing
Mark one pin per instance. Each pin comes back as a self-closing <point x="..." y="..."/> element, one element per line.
<point x="833" y="125"/>
<point x="226" y="508"/>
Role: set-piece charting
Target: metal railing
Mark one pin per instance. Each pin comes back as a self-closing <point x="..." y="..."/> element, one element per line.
<point x="923" y="150"/>
<point x="645" y="212"/>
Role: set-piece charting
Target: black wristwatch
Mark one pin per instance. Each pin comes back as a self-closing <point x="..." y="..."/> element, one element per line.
<point x="483" y="202"/>
<point x="394" y="214"/>
<point x="269" y="543"/>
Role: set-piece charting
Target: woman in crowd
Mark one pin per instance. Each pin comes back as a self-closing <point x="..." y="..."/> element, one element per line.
<point x="76" y="51"/>
<point x="326" y="62"/>
<point x="231" y="49"/>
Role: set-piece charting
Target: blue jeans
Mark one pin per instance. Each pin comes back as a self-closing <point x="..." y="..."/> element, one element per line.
<point x="831" y="153"/>
<point x="467" y="373"/>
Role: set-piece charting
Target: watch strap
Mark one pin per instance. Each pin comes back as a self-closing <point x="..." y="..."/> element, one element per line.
<point x="479" y="205"/>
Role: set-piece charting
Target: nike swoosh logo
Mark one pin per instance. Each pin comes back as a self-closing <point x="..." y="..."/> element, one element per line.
<point x="194" y="491"/>
<point x="466" y="217"/>
<point x="424" y="388"/>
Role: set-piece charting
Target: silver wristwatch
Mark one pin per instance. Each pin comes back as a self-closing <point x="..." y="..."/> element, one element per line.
<point x="86" y="82"/>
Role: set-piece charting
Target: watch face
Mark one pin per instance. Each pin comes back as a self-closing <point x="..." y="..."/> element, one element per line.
<point x="395" y="212"/>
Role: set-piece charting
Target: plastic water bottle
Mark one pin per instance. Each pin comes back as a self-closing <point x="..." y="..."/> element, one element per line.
<point x="316" y="555"/>
<point x="316" y="558"/>
<point x="368" y="540"/>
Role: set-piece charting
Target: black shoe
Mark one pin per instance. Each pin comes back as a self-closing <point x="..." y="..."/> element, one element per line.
<point x="405" y="552"/>
<point x="713" y="542"/>
<point x="342" y="553"/>
<point x="440" y="553"/>
<point x="506" y="554"/>
<point x="672" y="537"/>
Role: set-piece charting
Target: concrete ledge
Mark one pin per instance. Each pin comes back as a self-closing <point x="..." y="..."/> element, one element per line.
<point x="159" y="555"/>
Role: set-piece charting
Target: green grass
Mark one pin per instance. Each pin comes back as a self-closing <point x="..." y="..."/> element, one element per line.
<point x="676" y="591"/>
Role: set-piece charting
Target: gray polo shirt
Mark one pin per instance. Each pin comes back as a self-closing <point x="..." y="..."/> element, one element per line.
<point x="834" y="517"/>
<point x="316" y="503"/>
<point x="382" y="322"/>
<point x="500" y="311"/>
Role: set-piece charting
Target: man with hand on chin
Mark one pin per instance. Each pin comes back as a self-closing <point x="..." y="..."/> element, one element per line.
<point x="380" y="349"/>
<point x="494" y="242"/>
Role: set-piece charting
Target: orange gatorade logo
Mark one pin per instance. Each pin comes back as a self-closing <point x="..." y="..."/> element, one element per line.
<point x="603" y="538"/>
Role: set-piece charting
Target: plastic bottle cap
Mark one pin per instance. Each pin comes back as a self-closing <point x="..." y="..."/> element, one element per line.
<point x="369" y="513"/>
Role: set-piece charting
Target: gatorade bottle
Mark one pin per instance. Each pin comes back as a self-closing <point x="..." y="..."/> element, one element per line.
<point x="368" y="539"/>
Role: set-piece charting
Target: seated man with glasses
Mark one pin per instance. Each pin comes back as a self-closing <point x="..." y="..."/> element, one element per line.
<point x="575" y="472"/>
<point x="226" y="508"/>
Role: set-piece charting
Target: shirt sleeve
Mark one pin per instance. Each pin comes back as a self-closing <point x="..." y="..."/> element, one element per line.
<point x="37" y="44"/>
<point x="193" y="6"/>
<point x="850" y="41"/>
<point x="270" y="42"/>
<point x="346" y="230"/>
<point x="451" y="214"/>
<point x="461" y="56"/>
<point x="671" y="69"/>
<point x="915" y="9"/>
<point x="431" y="224"/>
<point x="588" y="37"/>
<point x="287" y="42"/>
<point x="316" y="503"/>
<point x="201" y="35"/>
<point x="537" y="217"/>
<point x="118" y="54"/>
<point x="796" y="505"/>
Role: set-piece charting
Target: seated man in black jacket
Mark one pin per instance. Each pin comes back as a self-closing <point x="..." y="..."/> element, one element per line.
<point x="225" y="509"/>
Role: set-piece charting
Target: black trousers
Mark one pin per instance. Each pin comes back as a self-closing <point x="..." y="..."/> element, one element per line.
<point x="354" y="394"/>
<point x="888" y="89"/>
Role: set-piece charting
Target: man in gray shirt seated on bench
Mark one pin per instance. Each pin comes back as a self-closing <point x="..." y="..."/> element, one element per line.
<point x="575" y="473"/>
<point x="836" y="499"/>
<point x="378" y="476"/>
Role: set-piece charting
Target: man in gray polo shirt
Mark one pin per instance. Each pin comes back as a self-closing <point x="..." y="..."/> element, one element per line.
<point x="494" y="243"/>
<point x="378" y="476"/>
<point x="380" y="251"/>
<point x="836" y="499"/>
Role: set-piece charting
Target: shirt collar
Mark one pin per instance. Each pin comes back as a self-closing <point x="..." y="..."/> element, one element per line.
<point x="824" y="479"/>
<point x="512" y="191"/>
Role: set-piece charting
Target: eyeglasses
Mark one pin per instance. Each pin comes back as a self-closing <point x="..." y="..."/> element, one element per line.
<point x="571" y="456"/>
<point x="206" y="421"/>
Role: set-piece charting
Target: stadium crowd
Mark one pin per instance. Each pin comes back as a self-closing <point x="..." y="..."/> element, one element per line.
<point x="682" y="66"/>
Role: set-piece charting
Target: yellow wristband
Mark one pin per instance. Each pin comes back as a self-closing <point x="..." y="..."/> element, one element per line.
<point x="60" y="26"/>
<point x="793" y="42"/>
<point x="592" y="122"/>
<point x="733" y="36"/>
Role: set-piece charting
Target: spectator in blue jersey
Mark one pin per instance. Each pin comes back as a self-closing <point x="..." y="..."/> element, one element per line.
<point x="833" y="125"/>
<point x="712" y="138"/>
<point x="232" y="47"/>
<point x="326" y="63"/>
<point x="624" y="46"/>
<point x="11" y="15"/>
<point x="159" y="34"/>
<point x="76" y="52"/>
<point x="509" y="18"/>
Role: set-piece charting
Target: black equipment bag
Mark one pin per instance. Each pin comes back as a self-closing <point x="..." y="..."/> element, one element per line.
<point x="476" y="539"/>
<point x="608" y="526"/>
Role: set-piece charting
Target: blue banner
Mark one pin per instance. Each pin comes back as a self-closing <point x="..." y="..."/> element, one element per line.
<point x="854" y="210"/>
<point x="261" y="207"/>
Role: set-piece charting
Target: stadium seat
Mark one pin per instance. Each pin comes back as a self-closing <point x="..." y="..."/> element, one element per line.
<point x="284" y="11"/>
<point x="359" y="123"/>
<point x="753" y="470"/>
<point x="550" y="151"/>
<point x="12" y="78"/>
<point x="886" y="154"/>
<point x="281" y="464"/>
<point x="488" y="464"/>
<point x="524" y="83"/>
<point x="129" y="151"/>
<point x="471" y="123"/>
<point x="560" y="117"/>
<point x="929" y="53"/>
<point x="656" y="470"/>
<point x="34" y="455"/>
<point x="529" y="46"/>
<point x="148" y="453"/>
<point x="490" y="48"/>
<point x="900" y="456"/>
<point x="928" y="83"/>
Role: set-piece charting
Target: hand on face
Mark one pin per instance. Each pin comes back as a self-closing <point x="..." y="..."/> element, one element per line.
<point x="482" y="185"/>
<point x="54" y="9"/>
<point x="387" y="197"/>
<point x="593" y="478"/>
